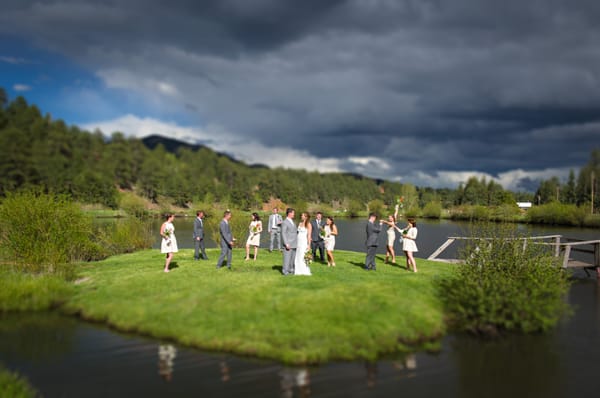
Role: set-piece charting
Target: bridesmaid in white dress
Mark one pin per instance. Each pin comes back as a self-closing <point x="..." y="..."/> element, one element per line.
<point x="330" y="233"/>
<point x="408" y="244"/>
<point x="255" y="228"/>
<point x="168" y="245"/>
<point x="304" y="230"/>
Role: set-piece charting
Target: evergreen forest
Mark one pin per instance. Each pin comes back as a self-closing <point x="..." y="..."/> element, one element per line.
<point x="47" y="155"/>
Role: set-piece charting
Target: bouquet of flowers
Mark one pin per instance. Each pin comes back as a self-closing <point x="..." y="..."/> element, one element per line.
<point x="167" y="236"/>
<point x="308" y="258"/>
<point x="255" y="229"/>
<point x="322" y="232"/>
<point x="399" y="202"/>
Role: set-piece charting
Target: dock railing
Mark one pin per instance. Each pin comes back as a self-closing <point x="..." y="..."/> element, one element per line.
<point x="562" y="247"/>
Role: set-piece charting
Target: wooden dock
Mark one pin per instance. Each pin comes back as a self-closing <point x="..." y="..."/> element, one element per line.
<point x="563" y="247"/>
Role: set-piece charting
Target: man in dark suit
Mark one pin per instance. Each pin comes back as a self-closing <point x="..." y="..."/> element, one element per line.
<point x="316" y="240"/>
<point x="226" y="240"/>
<point x="200" y="251"/>
<point x="373" y="231"/>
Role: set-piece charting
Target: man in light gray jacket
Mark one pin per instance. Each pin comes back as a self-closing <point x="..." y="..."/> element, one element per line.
<point x="274" y="229"/>
<point x="226" y="240"/>
<point x="289" y="236"/>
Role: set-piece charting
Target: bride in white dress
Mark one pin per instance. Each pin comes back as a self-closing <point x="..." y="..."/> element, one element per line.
<point x="304" y="229"/>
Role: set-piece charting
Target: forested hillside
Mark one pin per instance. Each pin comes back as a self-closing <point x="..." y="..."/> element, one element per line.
<point x="39" y="152"/>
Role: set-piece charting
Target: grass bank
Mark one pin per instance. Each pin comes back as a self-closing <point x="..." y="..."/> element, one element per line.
<point x="28" y="292"/>
<point x="341" y="313"/>
<point x="15" y="386"/>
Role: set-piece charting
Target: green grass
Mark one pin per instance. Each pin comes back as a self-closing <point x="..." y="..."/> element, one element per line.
<point x="341" y="313"/>
<point x="14" y="386"/>
<point x="26" y="292"/>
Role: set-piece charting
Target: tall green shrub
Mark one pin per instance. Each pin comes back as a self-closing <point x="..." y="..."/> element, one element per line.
<point x="505" y="284"/>
<point x="124" y="236"/>
<point x="557" y="213"/>
<point x="432" y="210"/>
<point x="15" y="385"/>
<point x="378" y="207"/>
<point x="40" y="232"/>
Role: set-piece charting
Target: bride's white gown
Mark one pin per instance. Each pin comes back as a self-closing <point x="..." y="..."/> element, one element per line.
<point x="300" y="267"/>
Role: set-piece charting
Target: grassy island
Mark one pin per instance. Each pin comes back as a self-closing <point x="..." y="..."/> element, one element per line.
<point x="341" y="313"/>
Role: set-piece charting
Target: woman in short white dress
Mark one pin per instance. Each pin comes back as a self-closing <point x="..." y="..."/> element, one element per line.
<point x="408" y="244"/>
<point x="391" y="236"/>
<point x="331" y="232"/>
<point x="168" y="245"/>
<point x="254" y="230"/>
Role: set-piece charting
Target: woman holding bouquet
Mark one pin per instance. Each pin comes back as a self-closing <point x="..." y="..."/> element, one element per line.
<point x="168" y="245"/>
<point x="303" y="249"/>
<point x="331" y="232"/>
<point x="408" y="244"/>
<point x="255" y="229"/>
<point x="391" y="236"/>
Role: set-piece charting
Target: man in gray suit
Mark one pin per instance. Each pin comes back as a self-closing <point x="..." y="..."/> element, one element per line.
<point x="274" y="229"/>
<point x="373" y="231"/>
<point x="199" y="237"/>
<point x="226" y="240"/>
<point x="289" y="235"/>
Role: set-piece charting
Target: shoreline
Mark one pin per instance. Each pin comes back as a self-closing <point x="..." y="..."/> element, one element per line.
<point x="266" y="316"/>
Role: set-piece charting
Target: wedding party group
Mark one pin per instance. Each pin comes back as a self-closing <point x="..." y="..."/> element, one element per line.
<point x="299" y="243"/>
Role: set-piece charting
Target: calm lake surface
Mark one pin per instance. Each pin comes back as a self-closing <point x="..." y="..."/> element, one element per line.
<point x="64" y="357"/>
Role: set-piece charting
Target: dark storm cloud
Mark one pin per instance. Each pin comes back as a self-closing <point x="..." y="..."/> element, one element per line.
<point x="426" y="85"/>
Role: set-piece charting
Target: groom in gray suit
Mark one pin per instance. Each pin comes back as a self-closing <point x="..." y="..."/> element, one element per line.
<point x="289" y="236"/>
<point x="226" y="240"/>
<point x="373" y="231"/>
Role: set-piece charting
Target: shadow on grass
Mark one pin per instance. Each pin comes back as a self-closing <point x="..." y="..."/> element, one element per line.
<point x="397" y="265"/>
<point x="357" y="264"/>
<point x="278" y="268"/>
<point x="379" y="262"/>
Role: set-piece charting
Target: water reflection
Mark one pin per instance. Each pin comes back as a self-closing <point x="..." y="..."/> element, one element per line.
<point x="225" y="374"/>
<point x="526" y="366"/>
<point x="37" y="336"/>
<point x="371" y="368"/>
<point x="295" y="378"/>
<point x="407" y="366"/>
<point x="166" y="360"/>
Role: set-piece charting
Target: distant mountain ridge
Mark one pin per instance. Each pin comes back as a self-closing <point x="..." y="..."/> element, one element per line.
<point x="172" y="145"/>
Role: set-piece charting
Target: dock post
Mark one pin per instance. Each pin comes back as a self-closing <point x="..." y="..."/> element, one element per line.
<point x="597" y="258"/>
<point x="557" y="247"/>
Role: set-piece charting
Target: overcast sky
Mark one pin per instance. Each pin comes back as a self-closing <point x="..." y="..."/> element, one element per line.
<point x="427" y="92"/>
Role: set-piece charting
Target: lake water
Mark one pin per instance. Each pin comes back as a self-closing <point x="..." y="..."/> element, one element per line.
<point x="64" y="357"/>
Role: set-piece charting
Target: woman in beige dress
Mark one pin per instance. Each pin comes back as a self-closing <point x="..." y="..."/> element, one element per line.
<point x="391" y="236"/>
<point x="408" y="244"/>
<point x="331" y="232"/>
<point x="254" y="230"/>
